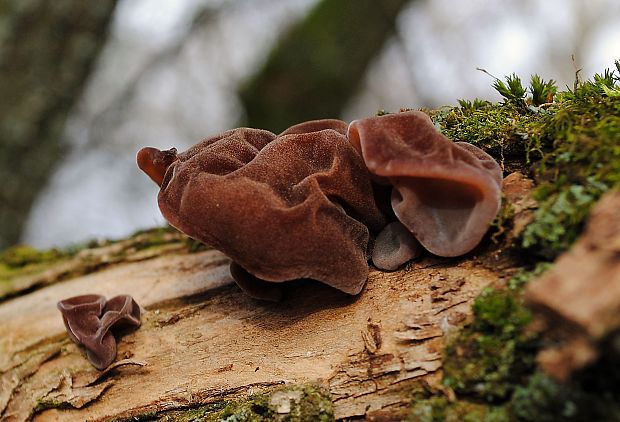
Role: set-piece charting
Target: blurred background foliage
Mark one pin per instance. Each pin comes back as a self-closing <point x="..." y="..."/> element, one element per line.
<point x="313" y="71"/>
<point x="83" y="85"/>
<point x="47" y="50"/>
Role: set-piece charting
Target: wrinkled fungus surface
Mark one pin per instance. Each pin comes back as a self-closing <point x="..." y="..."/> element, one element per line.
<point x="312" y="201"/>
<point x="445" y="193"/>
<point x="90" y="320"/>
<point x="296" y="205"/>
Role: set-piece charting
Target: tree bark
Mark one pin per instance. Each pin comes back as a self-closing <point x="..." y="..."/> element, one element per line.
<point x="203" y="342"/>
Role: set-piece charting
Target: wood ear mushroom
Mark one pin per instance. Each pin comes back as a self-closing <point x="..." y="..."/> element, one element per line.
<point x="446" y="193"/>
<point x="90" y="320"/>
<point x="307" y="203"/>
<point x="297" y="205"/>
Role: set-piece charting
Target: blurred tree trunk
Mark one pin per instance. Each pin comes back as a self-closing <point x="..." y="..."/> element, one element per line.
<point x="47" y="50"/>
<point x="317" y="67"/>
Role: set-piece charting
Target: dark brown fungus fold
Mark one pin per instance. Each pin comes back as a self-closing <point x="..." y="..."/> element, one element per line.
<point x="286" y="207"/>
<point x="81" y="315"/>
<point x="90" y="320"/>
<point x="394" y="246"/>
<point x="445" y="193"/>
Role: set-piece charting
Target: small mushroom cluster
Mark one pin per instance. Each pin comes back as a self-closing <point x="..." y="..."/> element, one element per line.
<point x="320" y="198"/>
<point x="90" y="321"/>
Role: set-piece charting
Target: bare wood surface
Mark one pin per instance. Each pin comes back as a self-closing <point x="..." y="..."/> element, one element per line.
<point x="202" y="339"/>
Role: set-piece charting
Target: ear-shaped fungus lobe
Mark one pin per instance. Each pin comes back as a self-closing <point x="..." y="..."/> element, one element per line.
<point x="445" y="193"/>
<point x="89" y="319"/>
<point x="294" y="206"/>
<point x="155" y="162"/>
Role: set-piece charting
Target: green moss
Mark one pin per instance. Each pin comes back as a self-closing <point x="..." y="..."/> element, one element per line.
<point x="42" y="405"/>
<point x="496" y="352"/>
<point x="496" y="128"/>
<point x="490" y="356"/>
<point x="581" y="162"/>
<point x="303" y="403"/>
<point x="440" y="409"/>
<point x="253" y="409"/>
<point x="490" y="365"/>
<point x="307" y="403"/>
<point x="569" y="147"/>
<point x="522" y="277"/>
<point x="560" y="217"/>
<point x="199" y="414"/>
<point x="502" y="222"/>
<point x="544" y="400"/>
<point x="21" y="262"/>
<point x="20" y="256"/>
<point x="316" y="405"/>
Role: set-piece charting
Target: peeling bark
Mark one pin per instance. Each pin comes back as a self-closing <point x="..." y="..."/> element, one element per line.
<point x="203" y="340"/>
<point x="578" y="301"/>
<point x="137" y="248"/>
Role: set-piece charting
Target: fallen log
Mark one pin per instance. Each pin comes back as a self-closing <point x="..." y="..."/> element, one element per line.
<point x="204" y="341"/>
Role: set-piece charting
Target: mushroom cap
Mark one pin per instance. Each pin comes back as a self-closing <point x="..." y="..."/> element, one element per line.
<point x="445" y="193"/>
<point x="89" y="319"/>
<point x="294" y="206"/>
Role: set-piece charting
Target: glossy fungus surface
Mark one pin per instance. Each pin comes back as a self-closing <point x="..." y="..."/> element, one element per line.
<point x="90" y="321"/>
<point x="297" y="205"/>
<point x="155" y="162"/>
<point x="446" y="193"/>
